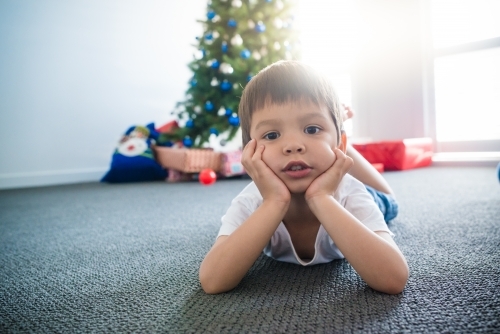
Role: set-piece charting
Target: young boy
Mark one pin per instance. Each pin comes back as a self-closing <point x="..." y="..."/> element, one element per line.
<point x="302" y="207"/>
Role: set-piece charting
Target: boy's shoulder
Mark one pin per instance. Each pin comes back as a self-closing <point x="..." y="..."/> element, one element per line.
<point x="250" y="189"/>
<point x="349" y="182"/>
<point x="250" y="196"/>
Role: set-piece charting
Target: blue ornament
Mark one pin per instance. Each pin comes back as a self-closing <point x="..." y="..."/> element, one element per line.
<point x="224" y="47"/>
<point x="187" y="141"/>
<point x="234" y="120"/>
<point x="209" y="106"/>
<point x="210" y="14"/>
<point x="214" y="131"/>
<point x="232" y="23"/>
<point x="209" y="36"/>
<point x="193" y="82"/>
<point x="169" y="143"/>
<point x="260" y="27"/>
<point x="249" y="77"/>
<point x="225" y="85"/>
<point x="215" y="64"/>
<point x="245" y="54"/>
<point x="229" y="112"/>
<point x="203" y="52"/>
<point x="189" y="123"/>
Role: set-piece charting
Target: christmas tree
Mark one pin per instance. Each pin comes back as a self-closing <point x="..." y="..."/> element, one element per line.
<point x="240" y="38"/>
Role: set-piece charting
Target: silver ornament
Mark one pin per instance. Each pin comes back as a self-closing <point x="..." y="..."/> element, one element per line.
<point x="226" y="68"/>
<point x="237" y="40"/>
<point x="256" y="55"/>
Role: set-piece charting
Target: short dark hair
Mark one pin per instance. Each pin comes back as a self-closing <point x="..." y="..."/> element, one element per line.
<point x="287" y="81"/>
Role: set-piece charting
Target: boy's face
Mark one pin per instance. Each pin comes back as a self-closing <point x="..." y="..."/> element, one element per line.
<point x="299" y="138"/>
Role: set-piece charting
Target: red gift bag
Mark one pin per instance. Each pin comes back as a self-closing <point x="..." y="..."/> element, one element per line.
<point x="398" y="154"/>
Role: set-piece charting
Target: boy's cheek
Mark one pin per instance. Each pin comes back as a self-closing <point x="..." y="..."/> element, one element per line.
<point x="266" y="155"/>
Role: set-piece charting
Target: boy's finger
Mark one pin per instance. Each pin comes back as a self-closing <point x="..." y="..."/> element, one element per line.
<point x="249" y="149"/>
<point x="338" y="153"/>
<point x="345" y="162"/>
<point x="258" y="152"/>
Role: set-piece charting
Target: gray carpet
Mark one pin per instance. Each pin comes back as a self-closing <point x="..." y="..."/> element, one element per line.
<point x="124" y="258"/>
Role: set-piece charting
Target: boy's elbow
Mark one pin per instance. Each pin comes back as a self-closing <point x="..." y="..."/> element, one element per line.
<point x="211" y="285"/>
<point x="210" y="288"/>
<point x="397" y="282"/>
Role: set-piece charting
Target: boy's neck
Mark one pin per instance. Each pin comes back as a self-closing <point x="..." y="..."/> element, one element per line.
<point x="298" y="211"/>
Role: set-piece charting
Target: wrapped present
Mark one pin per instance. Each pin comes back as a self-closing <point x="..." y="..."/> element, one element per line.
<point x="398" y="154"/>
<point x="188" y="160"/>
<point x="231" y="164"/>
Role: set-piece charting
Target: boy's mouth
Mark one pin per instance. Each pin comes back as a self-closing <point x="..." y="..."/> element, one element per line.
<point x="297" y="169"/>
<point x="296" y="165"/>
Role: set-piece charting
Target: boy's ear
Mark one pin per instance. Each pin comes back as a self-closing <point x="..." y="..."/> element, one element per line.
<point x="343" y="142"/>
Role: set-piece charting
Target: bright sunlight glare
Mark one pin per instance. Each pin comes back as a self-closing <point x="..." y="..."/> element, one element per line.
<point x="457" y="22"/>
<point x="467" y="84"/>
<point x="467" y="96"/>
<point x="330" y="36"/>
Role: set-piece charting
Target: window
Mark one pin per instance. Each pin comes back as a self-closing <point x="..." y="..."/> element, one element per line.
<point x="468" y="96"/>
<point x="466" y="74"/>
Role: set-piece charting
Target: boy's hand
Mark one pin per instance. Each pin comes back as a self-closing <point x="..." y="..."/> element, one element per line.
<point x="268" y="183"/>
<point x="327" y="183"/>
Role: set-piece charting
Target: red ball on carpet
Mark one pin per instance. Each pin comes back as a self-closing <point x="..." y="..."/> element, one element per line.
<point x="207" y="177"/>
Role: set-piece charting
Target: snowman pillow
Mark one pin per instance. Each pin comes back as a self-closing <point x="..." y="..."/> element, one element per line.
<point x="133" y="159"/>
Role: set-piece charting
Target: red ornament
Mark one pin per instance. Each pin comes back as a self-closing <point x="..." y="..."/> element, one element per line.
<point x="207" y="177"/>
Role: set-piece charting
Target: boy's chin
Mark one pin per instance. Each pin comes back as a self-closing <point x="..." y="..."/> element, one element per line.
<point x="298" y="187"/>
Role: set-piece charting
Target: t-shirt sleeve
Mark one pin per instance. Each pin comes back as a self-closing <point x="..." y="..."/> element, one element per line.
<point x="361" y="205"/>
<point x="242" y="206"/>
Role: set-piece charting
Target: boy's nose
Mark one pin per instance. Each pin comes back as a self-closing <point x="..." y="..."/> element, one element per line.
<point x="294" y="148"/>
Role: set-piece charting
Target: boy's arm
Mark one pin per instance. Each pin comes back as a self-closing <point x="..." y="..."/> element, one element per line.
<point x="366" y="173"/>
<point x="374" y="255"/>
<point x="232" y="256"/>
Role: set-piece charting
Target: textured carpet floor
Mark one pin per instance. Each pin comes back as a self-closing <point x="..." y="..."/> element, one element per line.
<point x="124" y="258"/>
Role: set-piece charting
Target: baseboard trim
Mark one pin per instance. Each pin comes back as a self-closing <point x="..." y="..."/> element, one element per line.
<point x="49" y="178"/>
<point x="490" y="159"/>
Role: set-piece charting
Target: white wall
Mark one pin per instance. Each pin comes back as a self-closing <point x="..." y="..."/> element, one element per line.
<point x="74" y="75"/>
<point x="388" y="93"/>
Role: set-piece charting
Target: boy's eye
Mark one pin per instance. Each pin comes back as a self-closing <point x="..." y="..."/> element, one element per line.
<point x="312" y="130"/>
<point x="271" y="135"/>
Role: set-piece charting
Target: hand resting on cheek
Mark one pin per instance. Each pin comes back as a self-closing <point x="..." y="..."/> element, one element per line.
<point x="269" y="184"/>
<point x="327" y="182"/>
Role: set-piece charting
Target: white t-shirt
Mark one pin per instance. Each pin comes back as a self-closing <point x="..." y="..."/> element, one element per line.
<point x="351" y="194"/>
